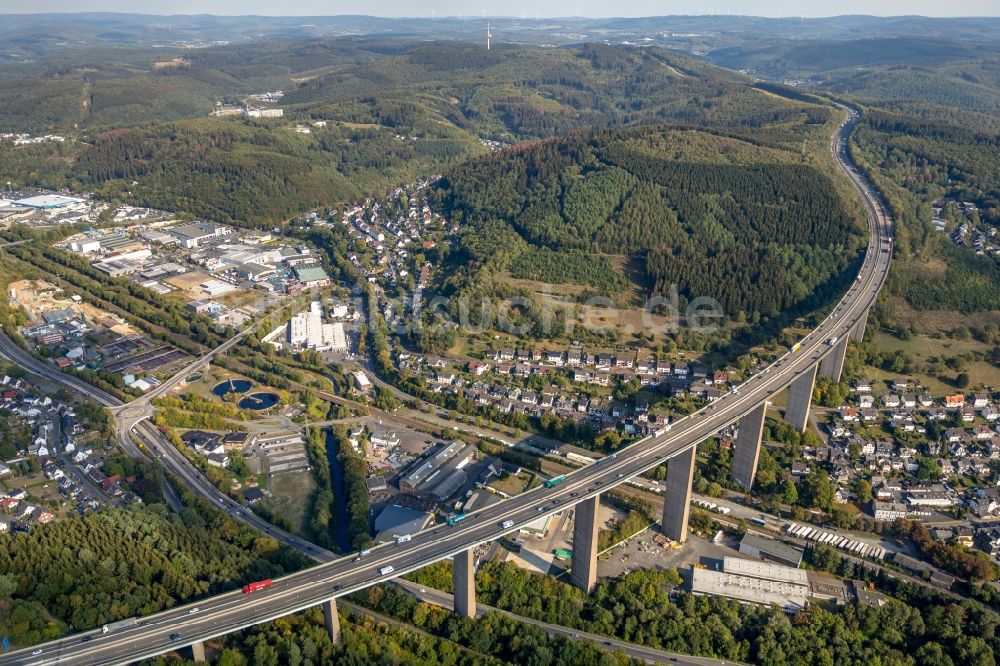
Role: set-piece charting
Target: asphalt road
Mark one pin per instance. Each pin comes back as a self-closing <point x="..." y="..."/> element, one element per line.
<point x="128" y="434"/>
<point x="232" y="611"/>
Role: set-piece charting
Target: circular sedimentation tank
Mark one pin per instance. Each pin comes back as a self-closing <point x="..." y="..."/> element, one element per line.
<point x="231" y="386"/>
<point x="259" y="401"/>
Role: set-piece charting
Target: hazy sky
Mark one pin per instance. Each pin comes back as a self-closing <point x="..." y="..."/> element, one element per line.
<point x="528" y="8"/>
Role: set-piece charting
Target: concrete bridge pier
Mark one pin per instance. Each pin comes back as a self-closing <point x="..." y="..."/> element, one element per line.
<point x="799" y="396"/>
<point x="198" y="651"/>
<point x="465" y="584"/>
<point x="746" y="450"/>
<point x="832" y="366"/>
<point x="332" y="620"/>
<point x="585" y="531"/>
<point x="677" y="498"/>
<point x="858" y="334"/>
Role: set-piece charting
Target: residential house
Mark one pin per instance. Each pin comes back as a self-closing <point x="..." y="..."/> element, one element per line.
<point x="982" y="433"/>
<point x="987" y="539"/>
<point x="478" y="368"/>
<point x="554" y="357"/>
<point x="985" y="502"/>
<point x="954" y="401"/>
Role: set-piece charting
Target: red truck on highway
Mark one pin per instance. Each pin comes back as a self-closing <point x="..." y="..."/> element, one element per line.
<point x="254" y="587"/>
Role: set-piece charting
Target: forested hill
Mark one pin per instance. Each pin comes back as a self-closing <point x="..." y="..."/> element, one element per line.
<point x="526" y="92"/>
<point x="719" y="216"/>
<point x="947" y="72"/>
<point x="391" y="111"/>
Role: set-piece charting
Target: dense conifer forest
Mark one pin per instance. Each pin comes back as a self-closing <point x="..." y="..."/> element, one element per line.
<point x="756" y="235"/>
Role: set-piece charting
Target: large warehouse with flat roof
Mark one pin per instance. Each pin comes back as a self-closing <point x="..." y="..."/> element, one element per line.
<point x="758" y="545"/>
<point x="752" y="582"/>
<point x="49" y="202"/>
<point x="441" y="474"/>
<point x="396" y="520"/>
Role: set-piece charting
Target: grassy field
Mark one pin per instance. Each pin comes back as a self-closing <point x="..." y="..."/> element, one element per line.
<point x="513" y="484"/>
<point x="931" y="321"/>
<point x="290" y="495"/>
<point x="922" y="348"/>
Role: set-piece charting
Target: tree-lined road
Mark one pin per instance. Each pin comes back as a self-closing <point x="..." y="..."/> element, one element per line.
<point x="652" y="655"/>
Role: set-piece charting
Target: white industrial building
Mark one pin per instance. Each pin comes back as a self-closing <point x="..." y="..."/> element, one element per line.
<point x="362" y="383"/>
<point x="753" y="582"/>
<point x="307" y="331"/>
<point x="215" y="287"/>
<point x="51" y="202"/>
<point x="190" y="235"/>
<point x="85" y="245"/>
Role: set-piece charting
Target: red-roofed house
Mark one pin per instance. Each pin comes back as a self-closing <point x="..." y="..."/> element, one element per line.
<point x="954" y="401"/>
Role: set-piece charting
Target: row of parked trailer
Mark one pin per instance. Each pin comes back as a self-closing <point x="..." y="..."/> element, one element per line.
<point x="712" y="506"/>
<point x="851" y="546"/>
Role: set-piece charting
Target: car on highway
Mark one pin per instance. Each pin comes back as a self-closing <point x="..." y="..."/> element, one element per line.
<point x="86" y="639"/>
<point x="193" y="610"/>
<point x="36" y="652"/>
<point x="175" y="637"/>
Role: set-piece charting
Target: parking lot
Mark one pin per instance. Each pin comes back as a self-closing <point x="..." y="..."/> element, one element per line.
<point x="649" y="550"/>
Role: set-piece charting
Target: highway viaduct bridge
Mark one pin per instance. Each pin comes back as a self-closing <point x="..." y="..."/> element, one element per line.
<point x="821" y="352"/>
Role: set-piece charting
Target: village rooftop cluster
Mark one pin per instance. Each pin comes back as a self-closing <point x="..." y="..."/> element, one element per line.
<point x="59" y="465"/>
